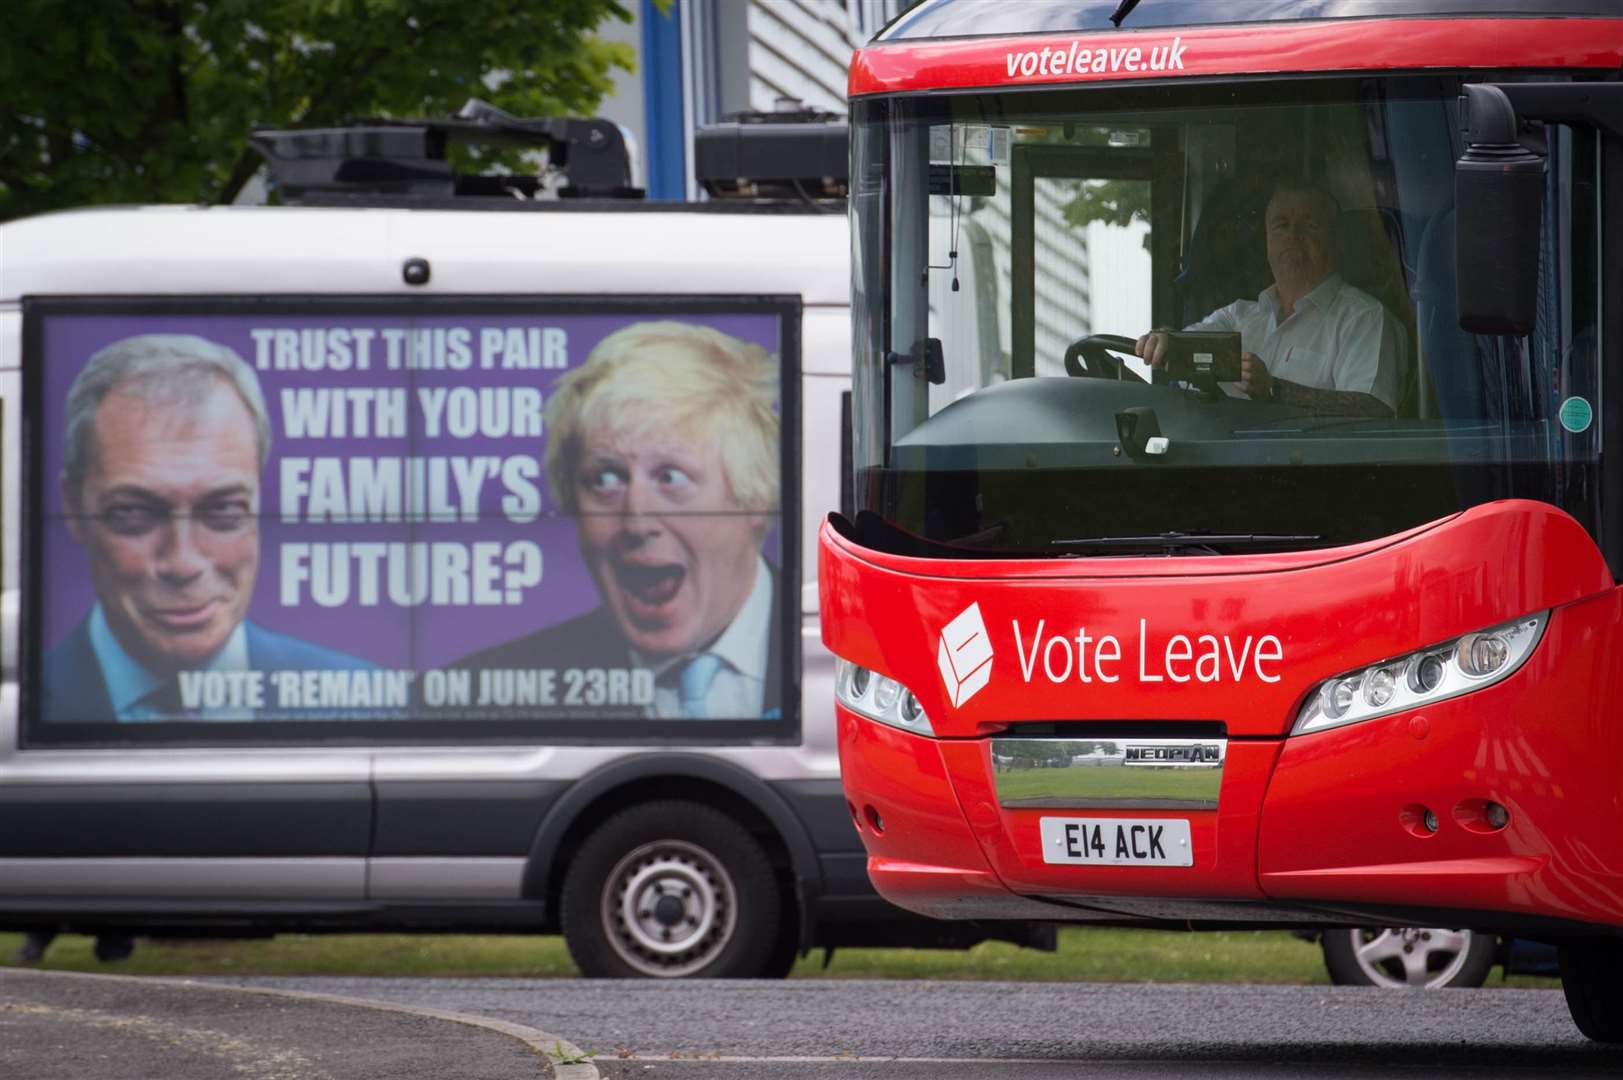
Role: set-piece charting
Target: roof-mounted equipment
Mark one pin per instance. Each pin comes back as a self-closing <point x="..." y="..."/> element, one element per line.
<point x="407" y="158"/>
<point x="792" y="152"/>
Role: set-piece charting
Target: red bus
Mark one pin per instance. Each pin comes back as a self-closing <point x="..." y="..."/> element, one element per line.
<point x="1242" y="547"/>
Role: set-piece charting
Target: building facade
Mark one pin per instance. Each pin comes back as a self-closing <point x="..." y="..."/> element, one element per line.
<point x="701" y="60"/>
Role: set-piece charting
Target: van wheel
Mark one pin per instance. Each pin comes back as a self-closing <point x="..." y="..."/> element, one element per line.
<point x="1594" y="988"/>
<point x="785" y="951"/>
<point x="1416" y="957"/>
<point x="671" y="890"/>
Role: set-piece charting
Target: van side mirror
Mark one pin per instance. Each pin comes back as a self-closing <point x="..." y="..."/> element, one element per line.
<point x="1499" y="206"/>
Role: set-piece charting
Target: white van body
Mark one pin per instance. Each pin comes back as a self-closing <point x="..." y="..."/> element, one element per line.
<point x="156" y="838"/>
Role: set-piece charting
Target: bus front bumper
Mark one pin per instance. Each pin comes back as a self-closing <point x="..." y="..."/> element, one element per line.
<point x="1387" y="821"/>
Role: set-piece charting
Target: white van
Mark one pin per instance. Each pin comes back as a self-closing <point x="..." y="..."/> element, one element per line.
<point x="357" y="558"/>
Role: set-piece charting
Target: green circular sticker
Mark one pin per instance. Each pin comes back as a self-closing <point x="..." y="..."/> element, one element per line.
<point x="1577" y="414"/>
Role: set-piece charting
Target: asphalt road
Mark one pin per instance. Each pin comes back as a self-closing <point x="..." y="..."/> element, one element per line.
<point x="1034" y="1031"/>
<point x="59" y="1026"/>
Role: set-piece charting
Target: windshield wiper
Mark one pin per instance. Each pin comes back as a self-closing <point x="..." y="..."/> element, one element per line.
<point x="1173" y="542"/>
<point x="1124" y="9"/>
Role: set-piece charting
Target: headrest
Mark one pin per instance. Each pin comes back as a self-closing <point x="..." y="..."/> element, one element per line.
<point x="1369" y="251"/>
<point x="1227" y="256"/>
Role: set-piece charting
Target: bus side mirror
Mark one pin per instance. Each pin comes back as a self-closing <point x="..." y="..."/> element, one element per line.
<point x="1499" y="205"/>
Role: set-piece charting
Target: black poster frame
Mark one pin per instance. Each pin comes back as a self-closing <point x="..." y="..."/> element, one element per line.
<point x="36" y="732"/>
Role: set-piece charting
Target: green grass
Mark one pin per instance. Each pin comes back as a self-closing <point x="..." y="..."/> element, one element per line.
<point x="1111" y="783"/>
<point x="1085" y="955"/>
<point x="319" y="954"/>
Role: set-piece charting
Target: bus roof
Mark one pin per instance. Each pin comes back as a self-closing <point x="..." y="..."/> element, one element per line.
<point x="977" y="18"/>
<point x="970" y="44"/>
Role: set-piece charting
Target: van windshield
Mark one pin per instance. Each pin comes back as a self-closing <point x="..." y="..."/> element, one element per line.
<point x="1292" y="246"/>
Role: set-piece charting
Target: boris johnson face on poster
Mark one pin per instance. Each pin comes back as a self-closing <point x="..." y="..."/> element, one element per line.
<point x="664" y="446"/>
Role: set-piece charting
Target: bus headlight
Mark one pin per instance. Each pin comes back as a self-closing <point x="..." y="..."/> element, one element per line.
<point x="1435" y="673"/>
<point x="879" y="698"/>
<point x="1379" y="687"/>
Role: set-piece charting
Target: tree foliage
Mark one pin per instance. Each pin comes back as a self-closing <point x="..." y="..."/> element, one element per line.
<point x="121" y="101"/>
<point x="1112" y="202"/>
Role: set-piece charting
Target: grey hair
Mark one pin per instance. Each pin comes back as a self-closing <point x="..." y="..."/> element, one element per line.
<point x="1303" y="184"/>
<point x="181" y="367"/>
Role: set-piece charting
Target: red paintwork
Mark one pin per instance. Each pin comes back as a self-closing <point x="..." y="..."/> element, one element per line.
<point x="1341" y="45"/>
<point x="1333" y="611"/>
<point x="926" y="860"/>
<point x="1308" y="818"/>
<point x="1547" y="743"/>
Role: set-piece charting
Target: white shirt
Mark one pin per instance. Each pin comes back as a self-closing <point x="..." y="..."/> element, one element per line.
<point x="128" y="681"/>
<point x="738" y="690"/>
<point x="1338" y="338"/>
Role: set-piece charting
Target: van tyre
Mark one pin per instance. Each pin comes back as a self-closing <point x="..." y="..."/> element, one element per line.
<point x="1409" y="957"/>
<point x="670" y="890"/>
<point x="785" y="951"/>
<point x="1592" y="979"/>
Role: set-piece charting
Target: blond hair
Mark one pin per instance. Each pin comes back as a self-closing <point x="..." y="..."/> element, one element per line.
<point x="661" y="376"/>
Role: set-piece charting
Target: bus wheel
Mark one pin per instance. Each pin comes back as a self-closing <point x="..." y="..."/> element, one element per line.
<point x="1590" y="979"/>
<point x="1415" y="957"/>
<point x="668" y="890"/>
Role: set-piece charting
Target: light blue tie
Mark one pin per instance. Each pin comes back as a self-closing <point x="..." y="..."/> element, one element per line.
<point x="697" y="675"/>
<point x="162" y="702"/>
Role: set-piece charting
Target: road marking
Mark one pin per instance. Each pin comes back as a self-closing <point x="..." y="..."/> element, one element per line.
<point x="701" y="1057"/>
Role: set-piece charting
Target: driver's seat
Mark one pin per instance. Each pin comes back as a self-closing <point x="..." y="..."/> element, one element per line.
<point x="1369" y="248"/>
<point x="1227" y="257"/>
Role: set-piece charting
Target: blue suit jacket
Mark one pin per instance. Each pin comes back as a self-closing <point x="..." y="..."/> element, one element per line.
<point x="72" y="688"/>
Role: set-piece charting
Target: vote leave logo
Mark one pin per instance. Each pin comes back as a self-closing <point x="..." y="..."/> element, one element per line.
<point x="965" y="655"/>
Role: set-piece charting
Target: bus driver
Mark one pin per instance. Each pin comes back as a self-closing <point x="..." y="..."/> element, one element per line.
<point x="1310" y="339"/>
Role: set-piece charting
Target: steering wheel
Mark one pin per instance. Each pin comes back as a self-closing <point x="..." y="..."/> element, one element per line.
<point x="1091" y="358"/>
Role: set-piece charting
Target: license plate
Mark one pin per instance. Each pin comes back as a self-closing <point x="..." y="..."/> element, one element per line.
<point x="1117" y="841"/>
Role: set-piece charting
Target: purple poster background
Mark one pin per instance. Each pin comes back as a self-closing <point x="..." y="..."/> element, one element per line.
<point x="386" y="634"/>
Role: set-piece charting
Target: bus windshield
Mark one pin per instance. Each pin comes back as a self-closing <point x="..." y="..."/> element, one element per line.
<point x="1200" y="318"/>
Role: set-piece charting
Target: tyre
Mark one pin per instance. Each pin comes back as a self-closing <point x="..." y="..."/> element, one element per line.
<point x="112" y="946"/>
<point x="1591" y="981"/>
<point x="1411" y="957"/>
<point x="671" y="890"/>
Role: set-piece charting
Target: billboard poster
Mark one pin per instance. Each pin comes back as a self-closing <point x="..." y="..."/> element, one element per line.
<point x="544" y="519"/>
